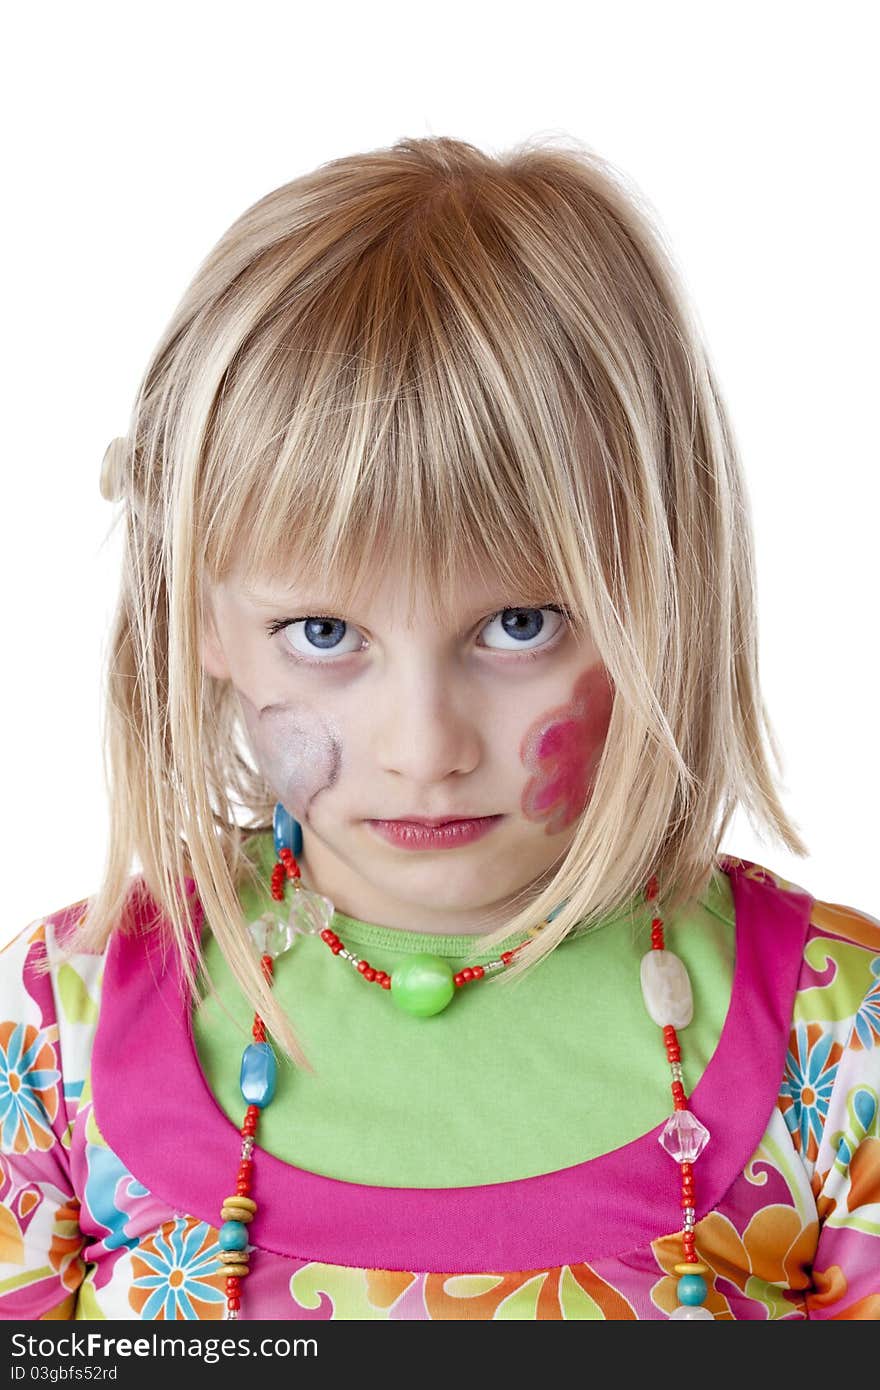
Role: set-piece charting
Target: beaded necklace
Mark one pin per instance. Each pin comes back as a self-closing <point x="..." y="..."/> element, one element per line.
<point x="424" y="985"/>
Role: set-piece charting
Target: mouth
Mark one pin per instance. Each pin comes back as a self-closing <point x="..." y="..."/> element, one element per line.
<point x="422" y="833"/>
<point x="434" y="821"/>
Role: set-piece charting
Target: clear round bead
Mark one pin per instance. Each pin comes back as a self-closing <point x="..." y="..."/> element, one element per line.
<point x="696" y="1312"/>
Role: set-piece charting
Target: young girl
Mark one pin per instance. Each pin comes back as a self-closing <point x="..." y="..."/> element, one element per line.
<point x="433" y="688"/>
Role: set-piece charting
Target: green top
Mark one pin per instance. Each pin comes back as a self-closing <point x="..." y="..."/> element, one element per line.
<point x="507" y="1082"/>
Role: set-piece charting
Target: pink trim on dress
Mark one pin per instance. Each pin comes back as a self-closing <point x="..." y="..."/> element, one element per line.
<point x="155" y="1110"/>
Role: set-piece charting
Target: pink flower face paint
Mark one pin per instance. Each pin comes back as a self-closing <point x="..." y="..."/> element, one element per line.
<point x="562" y="750"/>
<point x="296" y="751"/>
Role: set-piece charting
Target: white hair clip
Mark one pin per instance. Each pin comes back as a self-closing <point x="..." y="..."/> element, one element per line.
<point x="112" y="469"/>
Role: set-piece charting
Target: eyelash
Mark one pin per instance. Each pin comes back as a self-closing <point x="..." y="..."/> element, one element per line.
<point x="279" y="624"/>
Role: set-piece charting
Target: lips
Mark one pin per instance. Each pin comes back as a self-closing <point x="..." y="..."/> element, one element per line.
<point x="431" y="821"/>
<point x="446" y="834"/>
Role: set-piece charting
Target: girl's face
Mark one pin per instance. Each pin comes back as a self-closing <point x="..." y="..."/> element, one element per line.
<point x="354" y="717"/>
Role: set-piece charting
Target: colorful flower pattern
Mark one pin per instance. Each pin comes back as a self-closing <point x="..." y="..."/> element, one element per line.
<point x="808" y="1084"/>
<point x="797" y="1234"/>
<point x="29" y="1080"/>
<point x="177" y="1273"/>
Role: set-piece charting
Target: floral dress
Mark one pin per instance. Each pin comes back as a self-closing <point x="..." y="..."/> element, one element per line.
<point x="115" y="1159"/>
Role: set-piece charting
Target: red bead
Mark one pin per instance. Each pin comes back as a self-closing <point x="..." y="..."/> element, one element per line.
<point x="370" y="975"/>
<point x="234" y="1303"/>
<point x="363" y="966"/>
<point x="651" y="887"/>
<point x="336" y="947"/>
<point x="507" y="957"/>
<point x="458" y="979"/>
<point x="233" y="1284"/>
<point x="243" y="1187"/>
<point x="479" y="972"/>
<point x="386" y="983"/>
<point x="686" y="1169"/>
<point x="467" y="973"/>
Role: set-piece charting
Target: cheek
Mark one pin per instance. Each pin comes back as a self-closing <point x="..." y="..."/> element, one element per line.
<point x="561" y="751"/>
<point x="296" y="750"/>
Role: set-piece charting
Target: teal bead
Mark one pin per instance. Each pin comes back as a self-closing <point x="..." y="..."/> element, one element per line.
<point x="233" y="1235"/>
<point x="287" y="830"/>
<point x="258" y="1074"/>
<point x="691" y="1289"/>
<point x="422" y="985"/>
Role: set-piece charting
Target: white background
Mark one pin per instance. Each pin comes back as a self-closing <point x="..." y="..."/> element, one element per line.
<point x="134" y="135"/>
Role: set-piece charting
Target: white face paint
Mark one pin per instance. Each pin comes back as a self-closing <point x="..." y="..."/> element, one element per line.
<point x="298" y="752"/>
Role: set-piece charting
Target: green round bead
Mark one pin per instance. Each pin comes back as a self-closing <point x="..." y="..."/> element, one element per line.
<point x="422" y="985"/>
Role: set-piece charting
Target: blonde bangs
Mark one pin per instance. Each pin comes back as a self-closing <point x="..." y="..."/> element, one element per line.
<point x="401" y="405"/>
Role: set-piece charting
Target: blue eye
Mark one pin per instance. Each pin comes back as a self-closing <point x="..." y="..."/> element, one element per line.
<point x="319" y="634"/>
<point x="523" y="625"/>
<point x="307" y="637"/>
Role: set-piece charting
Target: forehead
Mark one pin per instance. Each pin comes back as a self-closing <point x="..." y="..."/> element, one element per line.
<point x="385" y="589"/>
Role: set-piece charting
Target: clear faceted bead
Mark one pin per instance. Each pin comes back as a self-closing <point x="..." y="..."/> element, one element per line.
<point x="683" y="1137"/>
<point x="271" y="936"/>
<point x="310" y="912"/>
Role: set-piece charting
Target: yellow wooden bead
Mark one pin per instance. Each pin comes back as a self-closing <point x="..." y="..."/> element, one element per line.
<point x="231" y="1213"/>
<point x="237" y="1200"/>
<point x="232" y="1256"/>
<point x="695" y="1268"/>
<point x="236" y="1271"/>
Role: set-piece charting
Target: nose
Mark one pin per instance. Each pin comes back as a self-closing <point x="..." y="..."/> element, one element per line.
<point x="427" y="725"/>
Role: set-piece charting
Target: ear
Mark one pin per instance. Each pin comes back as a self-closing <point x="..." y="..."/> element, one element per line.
<point x="213" y="656"/>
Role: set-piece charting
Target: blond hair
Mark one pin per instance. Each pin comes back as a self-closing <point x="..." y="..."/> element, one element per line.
<point x="492" y="360"/>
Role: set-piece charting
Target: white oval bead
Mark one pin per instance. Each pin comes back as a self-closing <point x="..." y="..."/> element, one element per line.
<point x="666" y="988"/>
<point x="692" y="1313"/>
